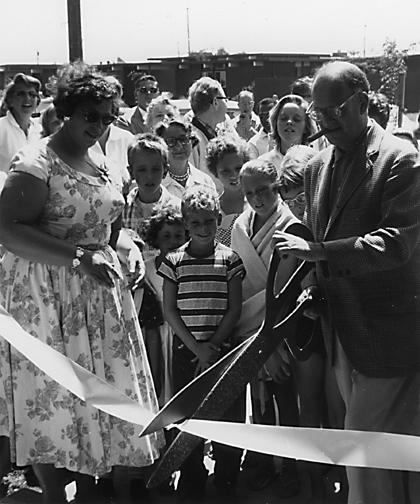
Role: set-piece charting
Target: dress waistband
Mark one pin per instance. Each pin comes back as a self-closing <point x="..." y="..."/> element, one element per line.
<point x="92" y="247"/>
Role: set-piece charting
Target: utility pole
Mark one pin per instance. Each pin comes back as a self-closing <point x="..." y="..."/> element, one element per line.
<point x="188" y="32"/>
<point x="75" y="30"/>
<point x="364" y="43"/>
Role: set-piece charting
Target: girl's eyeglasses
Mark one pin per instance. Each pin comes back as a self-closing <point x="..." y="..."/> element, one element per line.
<point x="300" y="199"/>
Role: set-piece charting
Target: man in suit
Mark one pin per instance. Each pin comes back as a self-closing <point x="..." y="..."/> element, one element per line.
<point x="363" y="208"/>
<point x="209" y="106"/>
<point x="145" y="88"/>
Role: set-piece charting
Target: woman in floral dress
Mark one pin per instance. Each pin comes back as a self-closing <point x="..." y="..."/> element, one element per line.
<point x="62" y="281"/>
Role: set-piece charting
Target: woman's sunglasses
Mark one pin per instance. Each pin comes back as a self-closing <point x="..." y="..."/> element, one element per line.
<point x="94" y="117"/>
<point x="145" y="90"/>
<point x="172" y="141"/>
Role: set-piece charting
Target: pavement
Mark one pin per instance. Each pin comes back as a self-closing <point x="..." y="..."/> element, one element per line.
<point x="246" y="496"/>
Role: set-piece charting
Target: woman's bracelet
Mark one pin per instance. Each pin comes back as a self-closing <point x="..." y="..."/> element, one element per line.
<point x="77" y="256"/>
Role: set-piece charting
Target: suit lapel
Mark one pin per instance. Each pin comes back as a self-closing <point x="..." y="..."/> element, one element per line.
<point x="358" y="168"/>
<point x="137" y="121"/>
<point x="322" y="195"/>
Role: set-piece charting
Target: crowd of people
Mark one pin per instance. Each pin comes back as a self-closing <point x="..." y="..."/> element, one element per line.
<point x="137" y="242"/>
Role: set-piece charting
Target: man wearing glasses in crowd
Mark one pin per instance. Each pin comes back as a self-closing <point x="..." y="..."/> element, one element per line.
<point x="208" y="119"/>
<point x="363" y="208"/>
<point x="146" y="88"/>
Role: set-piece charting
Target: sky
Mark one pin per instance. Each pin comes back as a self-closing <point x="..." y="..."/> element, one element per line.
<point x="36" y="30"/>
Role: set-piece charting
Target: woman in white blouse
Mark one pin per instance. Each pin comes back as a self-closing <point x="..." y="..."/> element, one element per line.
<point x="17" y="128"/>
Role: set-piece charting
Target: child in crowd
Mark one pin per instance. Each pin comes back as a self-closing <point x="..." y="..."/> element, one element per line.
<point x="251" y="238"/>
<point x="225" y="157"/>
<point x="202" y="292"/>
<point x="165" y="231"/>
<point x="50" y="123"/>
<point x="148" y="164"/>
<point x="310" y="376"/>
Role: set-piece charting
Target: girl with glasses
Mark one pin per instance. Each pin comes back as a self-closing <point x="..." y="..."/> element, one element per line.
<point x="182" y="174"/>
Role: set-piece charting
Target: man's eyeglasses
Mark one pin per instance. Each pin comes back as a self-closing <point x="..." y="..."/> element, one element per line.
<point x="151" y="90"/>
<point x="172" y="141"/>
<point x="94" y="117"/>
<point x="300" y="199"/>
<point x="333" y="112"/>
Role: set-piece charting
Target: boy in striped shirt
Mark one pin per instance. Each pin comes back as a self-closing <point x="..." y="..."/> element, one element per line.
<point x="202" y="300"/>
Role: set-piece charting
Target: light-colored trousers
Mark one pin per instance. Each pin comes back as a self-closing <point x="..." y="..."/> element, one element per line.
<point x="379" y="405"/>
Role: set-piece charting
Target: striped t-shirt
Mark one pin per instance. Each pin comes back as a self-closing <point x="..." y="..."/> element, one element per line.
<point x="202" y="282"/>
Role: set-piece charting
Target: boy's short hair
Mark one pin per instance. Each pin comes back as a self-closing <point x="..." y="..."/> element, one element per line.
<point x="220" y="146"/>
<point x="293" y="166"/>
<point x="199" y="198"/>
<point x="161" y="215"/>
<point x="148" y="142"/>
<point x="260" y="166"/>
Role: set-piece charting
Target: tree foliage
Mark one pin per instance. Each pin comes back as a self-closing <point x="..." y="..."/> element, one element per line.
<point x="390" y="66"/>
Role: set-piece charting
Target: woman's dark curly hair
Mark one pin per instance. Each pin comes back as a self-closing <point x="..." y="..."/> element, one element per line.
<point x="220" y="146"/>
<point x="77" y="83"/>
<point x="161" y="215"/>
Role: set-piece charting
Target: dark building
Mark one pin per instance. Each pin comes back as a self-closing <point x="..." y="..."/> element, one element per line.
<point x="264" y="73"/>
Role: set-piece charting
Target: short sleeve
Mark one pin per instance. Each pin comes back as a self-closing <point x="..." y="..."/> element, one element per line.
<point x="236" y="267"/>
<point x="168" y="268"/>
<point x="32" y="159"/>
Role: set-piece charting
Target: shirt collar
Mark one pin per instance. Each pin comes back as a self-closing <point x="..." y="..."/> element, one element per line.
<point x="211" y="130"/>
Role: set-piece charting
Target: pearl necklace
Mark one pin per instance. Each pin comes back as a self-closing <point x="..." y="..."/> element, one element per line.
<point x="180" y="178"/>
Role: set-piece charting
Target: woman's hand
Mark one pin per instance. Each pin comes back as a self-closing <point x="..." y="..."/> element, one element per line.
<point x="136" y="269"/>
<point x="98" y="268"/>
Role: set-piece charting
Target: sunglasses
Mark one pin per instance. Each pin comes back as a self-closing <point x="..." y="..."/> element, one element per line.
<point x="94" y="117"/>
<point x="145" y="90"/>
<point x="172" y="141"/>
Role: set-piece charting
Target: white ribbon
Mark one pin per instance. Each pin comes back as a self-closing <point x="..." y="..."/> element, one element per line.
<point x="71" y="375"/>
<point x="343" y="447"/>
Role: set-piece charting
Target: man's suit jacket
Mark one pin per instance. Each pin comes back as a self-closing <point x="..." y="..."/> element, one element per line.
<point x="132" y="121"/>
<point x="371" y="278"/>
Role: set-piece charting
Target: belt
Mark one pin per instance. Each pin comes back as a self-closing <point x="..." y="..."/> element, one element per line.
<point x="92" y="246"/>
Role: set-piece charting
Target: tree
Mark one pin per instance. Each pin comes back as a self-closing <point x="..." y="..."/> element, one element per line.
<point x="222" y="52"/>
<point x="391" y="65"/>
<point x="201" y="55"/>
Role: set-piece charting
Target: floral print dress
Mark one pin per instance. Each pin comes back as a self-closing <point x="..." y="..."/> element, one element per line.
<point x="93" y="325"/>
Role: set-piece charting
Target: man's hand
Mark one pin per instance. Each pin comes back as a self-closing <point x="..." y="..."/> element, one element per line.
<point x="287" y="244"/>
<point x="312" y="294"/>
